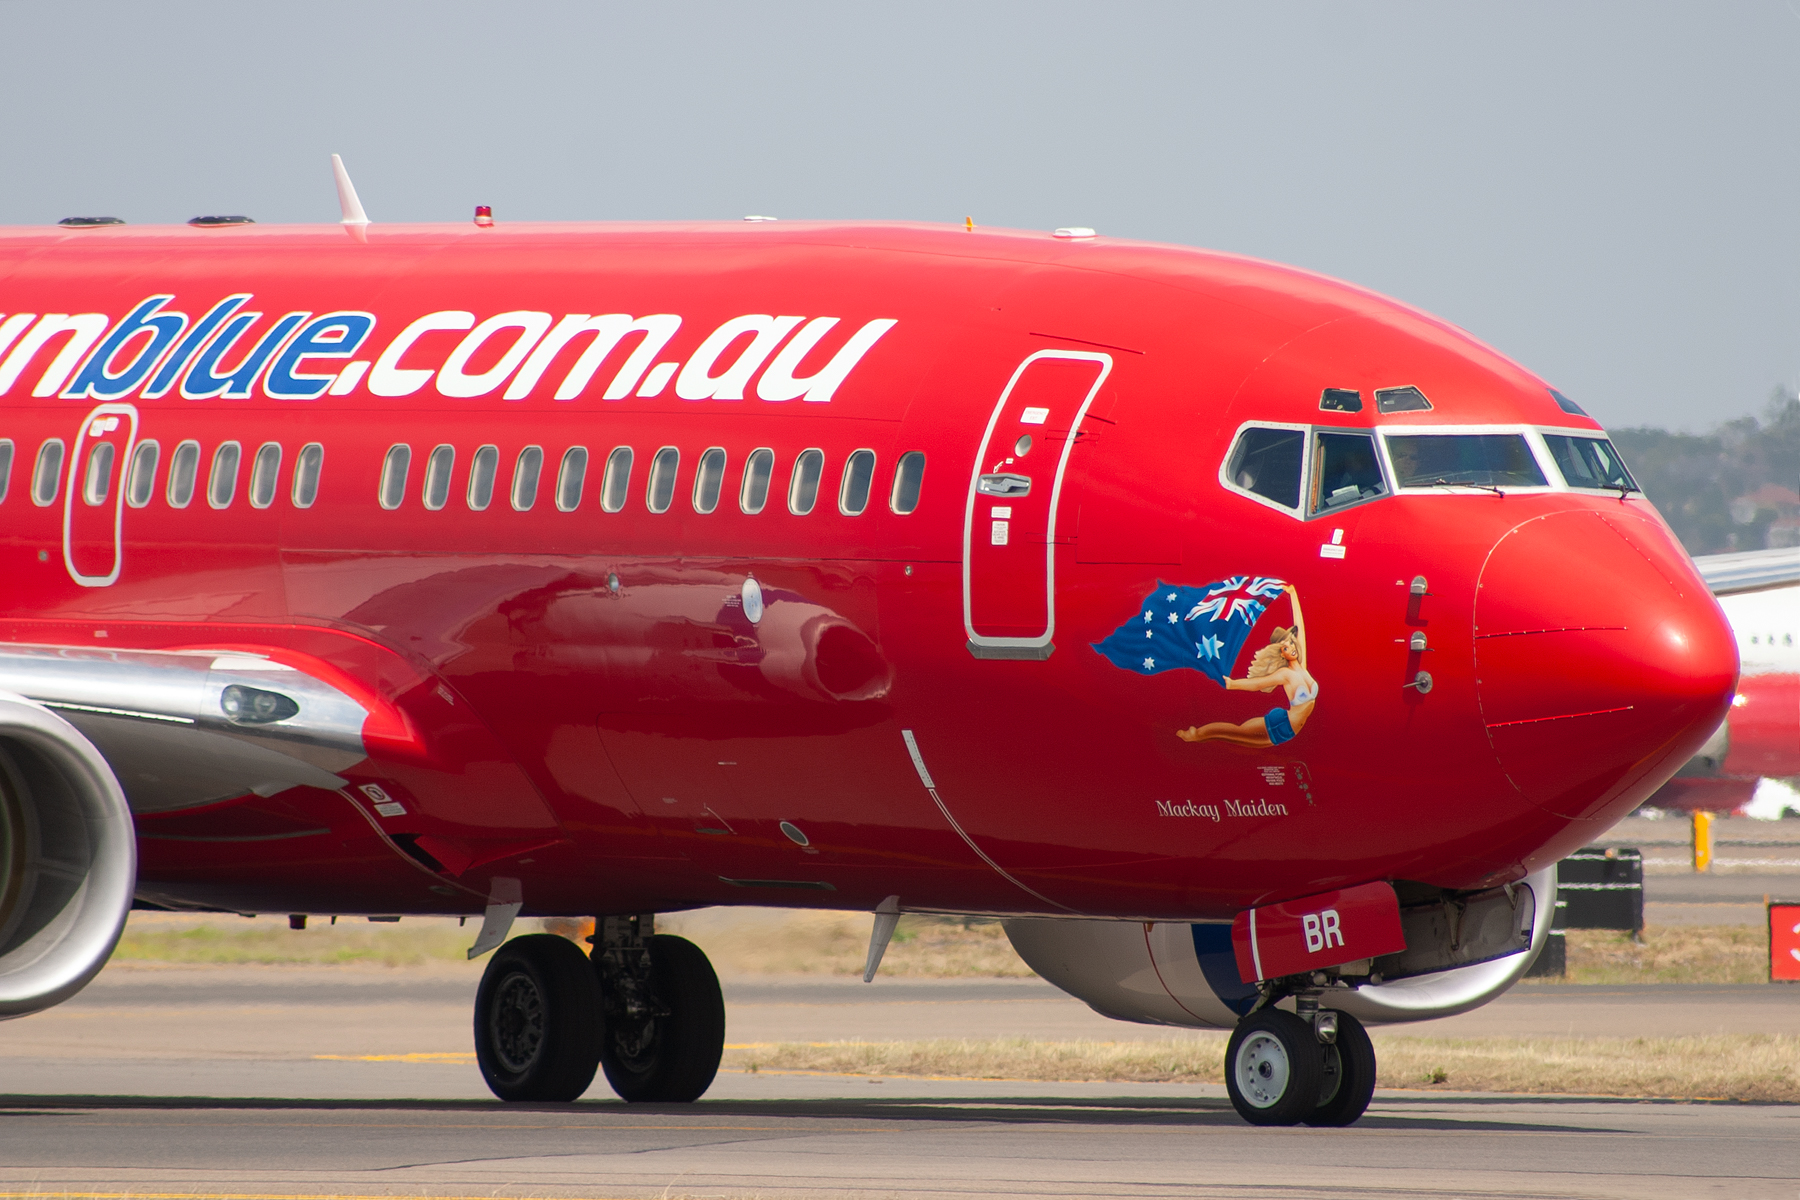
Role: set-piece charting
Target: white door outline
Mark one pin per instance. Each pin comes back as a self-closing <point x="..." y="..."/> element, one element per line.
<point x="1026" y="647"/>
<point x="73" y="486"/>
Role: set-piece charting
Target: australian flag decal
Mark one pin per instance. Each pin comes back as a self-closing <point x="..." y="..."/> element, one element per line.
<point x="1201" y="628"/>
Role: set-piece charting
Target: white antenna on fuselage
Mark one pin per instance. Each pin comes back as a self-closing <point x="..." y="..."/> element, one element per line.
<point x="355" y="220"/>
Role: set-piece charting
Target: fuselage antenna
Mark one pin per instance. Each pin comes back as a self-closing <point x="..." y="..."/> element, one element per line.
<point x="355" y="220"/>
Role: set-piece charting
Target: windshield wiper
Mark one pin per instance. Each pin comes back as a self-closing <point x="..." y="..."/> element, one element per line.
<point x="1486" y="487"/>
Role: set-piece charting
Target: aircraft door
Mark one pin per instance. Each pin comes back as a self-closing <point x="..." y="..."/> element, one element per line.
<point x="94" y="495"/>
<point x="1010" y="522"/>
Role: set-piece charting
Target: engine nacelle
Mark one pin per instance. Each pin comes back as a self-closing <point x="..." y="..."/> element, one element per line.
<point x="68" y="859"/>
<point x="1168" y="973"/>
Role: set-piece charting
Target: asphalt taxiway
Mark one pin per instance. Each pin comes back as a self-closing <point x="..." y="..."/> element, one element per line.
<point x="818" y="1136"/>
<point x="344" y="1081"/>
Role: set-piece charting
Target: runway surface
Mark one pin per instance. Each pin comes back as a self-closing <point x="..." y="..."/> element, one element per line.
<point x="342" y="1081"/>
<point x="773" y="1137"/>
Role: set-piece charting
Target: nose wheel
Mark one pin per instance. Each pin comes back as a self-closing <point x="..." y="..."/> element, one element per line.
<point x="1278" y="1072"/>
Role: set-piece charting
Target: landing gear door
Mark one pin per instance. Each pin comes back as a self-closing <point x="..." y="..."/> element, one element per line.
<point x="94" y="495"/>
<point x="1010" y="522"/>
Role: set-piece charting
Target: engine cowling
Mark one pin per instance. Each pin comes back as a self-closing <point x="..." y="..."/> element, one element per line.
<point x="1170" y="973"/>
<point x="68" y="859"/>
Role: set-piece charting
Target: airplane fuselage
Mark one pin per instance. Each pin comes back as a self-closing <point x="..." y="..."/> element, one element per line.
<point x="849" y="620"/>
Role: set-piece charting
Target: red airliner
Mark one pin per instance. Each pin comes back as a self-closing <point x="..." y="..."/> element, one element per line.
<point x="1254" y="643"/>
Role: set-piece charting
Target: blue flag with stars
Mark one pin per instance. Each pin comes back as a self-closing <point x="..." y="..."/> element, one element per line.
<point x="1201" y="628"/>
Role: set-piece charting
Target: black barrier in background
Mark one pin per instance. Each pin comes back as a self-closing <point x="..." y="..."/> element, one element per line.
<point x="1597" y="887"/>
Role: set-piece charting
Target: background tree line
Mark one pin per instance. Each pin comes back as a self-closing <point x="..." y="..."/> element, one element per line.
<point x="1736" y="487"/>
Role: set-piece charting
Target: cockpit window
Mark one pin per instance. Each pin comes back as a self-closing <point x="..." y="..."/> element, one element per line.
<point x="1567" y="405"/>
<point x="1267" y="462"/>
<point x="1464" y="459"/>
<point x="1401" y="399"/>
<point x="1589" y="462"/>
<point x="1345" y="470"/>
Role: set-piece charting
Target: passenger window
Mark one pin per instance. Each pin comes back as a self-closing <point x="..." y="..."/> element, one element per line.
<point x="1266" y="463"/>
<point x="663" y="467"/>
<point x="96" y="484"/>
<point x="1345" y="470"/>
<point x="1463" y="459"/>
<point x="184" y="469"/>
<point x="221" y="485"/>
<point x="709" y="480"/>
<point x="482" y="473"/>
<point x="394" y="469"/>
<point x="571" y="478"/>
<point x="438" y="467"/>
<point x="908" y="476"/>
<point x="306" y="474"/>
<point x="859" y="477"/>
<point x="6" y="457"/>
<point x="1589" y="462"/>
<point x="265" y="473"/>
<point x="525" y="478"/>
<point x="803" y="487"/>
<point x="140" y="478"/>
<point x="615" y="485"/>
<point x="46" y="480"/>
<point x="758" y="469"/>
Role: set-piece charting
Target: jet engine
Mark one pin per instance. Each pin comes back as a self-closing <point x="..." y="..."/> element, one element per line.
<point x="68" y="858"/>
<point x="1173" y="973"/>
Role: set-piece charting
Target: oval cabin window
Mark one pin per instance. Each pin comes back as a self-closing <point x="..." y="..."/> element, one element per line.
<point x="184" y="470"/>
<point x="394" y="469"/>
<point x="140" y="477"/>
<point x="803" y="487"/>
<point x="306" y="474"/>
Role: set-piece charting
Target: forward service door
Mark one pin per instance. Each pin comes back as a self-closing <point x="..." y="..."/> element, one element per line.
<point x="1010" y="522"/>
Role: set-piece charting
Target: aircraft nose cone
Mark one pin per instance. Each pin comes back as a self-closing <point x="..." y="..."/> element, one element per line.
<point x="1601" y="660"/>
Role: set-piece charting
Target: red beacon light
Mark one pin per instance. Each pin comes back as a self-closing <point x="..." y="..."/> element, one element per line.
<point x="484" y="215"/>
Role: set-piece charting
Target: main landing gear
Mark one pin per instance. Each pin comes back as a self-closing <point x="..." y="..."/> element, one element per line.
<point x="644" y="1007"/>
<point x="1314" y="1068"/>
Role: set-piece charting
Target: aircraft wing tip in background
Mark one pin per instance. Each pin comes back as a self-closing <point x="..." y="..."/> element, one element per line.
<point x="1750" y="570"/>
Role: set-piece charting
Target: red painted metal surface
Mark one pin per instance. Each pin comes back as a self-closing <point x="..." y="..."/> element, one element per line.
<point x="1314" y="932"/>
<point x="580" y="699"/>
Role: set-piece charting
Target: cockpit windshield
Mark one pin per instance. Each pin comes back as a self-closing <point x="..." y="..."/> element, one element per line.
<point x="1345" y="470"/>
<point x="1267" y="463"/>
<point x="1589" y="462"/>
<point x="1464" y="459"/>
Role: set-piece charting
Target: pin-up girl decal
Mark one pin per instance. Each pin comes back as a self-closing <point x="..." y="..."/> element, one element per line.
<point x="1280" y="664"/>
<point x="1204" y="629"/>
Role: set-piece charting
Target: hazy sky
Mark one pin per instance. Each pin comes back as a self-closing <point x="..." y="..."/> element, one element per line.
<point x="1607" y="192"/>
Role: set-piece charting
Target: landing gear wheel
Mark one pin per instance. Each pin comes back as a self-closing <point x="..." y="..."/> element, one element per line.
<point x="537" y="1020"/>
<point x="1273" y="1068"/>
<point x="669" y="1058"/>
<point x="1349" y="1075"/>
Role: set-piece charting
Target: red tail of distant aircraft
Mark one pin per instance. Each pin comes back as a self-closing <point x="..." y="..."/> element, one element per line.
<point x="1254" y="643"/>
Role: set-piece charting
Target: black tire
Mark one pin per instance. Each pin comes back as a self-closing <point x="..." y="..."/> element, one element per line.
<point x="1273" y="1068"/>
<point x="670" y="1059"/>
<point x="537" y="1020"/>
<point x="1349" y="1075"/>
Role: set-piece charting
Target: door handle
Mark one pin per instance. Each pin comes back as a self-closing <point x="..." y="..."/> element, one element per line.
<point x="1004" y="485"/>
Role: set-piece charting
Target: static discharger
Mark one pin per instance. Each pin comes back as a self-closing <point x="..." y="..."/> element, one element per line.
<point x="484" y="215"/>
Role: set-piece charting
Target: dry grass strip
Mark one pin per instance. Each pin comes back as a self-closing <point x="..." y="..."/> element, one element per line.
<point x="1671" y="954"/>
<point x="776" y="942"/>
<point x="1752" y="1067"/>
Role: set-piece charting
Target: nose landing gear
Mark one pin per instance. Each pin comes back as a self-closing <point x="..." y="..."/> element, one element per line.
<point x="645" y="1007"/>
<point x="1280" y="1071"/>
